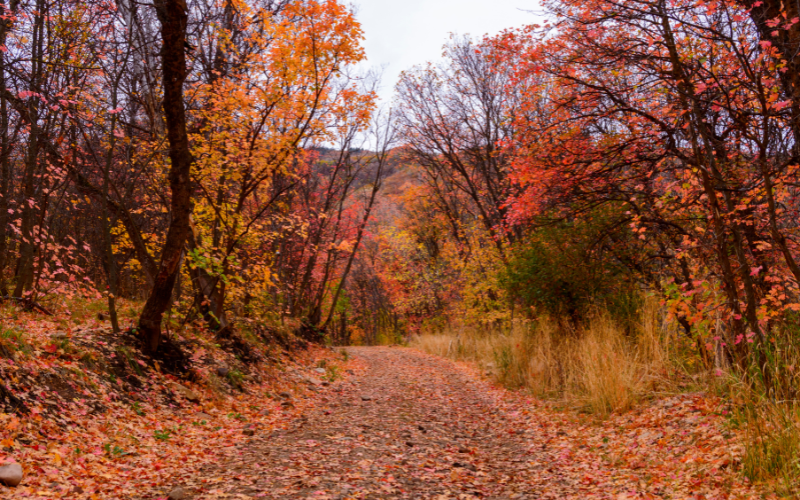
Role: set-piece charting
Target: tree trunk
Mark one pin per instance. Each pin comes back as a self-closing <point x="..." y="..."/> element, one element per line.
<point x="27" y="248"/>
<point x="5" y="147"/>
<point x="787" y="41"/>
<point x="211" y="300"/>
<point x="111" y="266"/>
<point x="173" y="17"/>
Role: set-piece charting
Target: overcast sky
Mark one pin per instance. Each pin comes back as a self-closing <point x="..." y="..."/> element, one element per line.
<point x="402" y="33"/>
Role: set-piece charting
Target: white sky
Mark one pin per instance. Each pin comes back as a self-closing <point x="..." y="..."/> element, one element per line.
<point x="400" y="34"/>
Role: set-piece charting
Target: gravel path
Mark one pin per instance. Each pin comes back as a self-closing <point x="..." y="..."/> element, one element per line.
<point x="410" y="425"/>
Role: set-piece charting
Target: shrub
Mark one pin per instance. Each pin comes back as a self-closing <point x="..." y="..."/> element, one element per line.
<point x="566" y="269"/>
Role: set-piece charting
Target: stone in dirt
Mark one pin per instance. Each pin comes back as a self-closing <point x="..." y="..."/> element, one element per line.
<point x="177" y="494"/>
<point x="11" y="474"/>
<point x="184" y="391"/>
<point x="321" y="370"/>
<point x="285" y="395"/>
<point x="312" y="381"/>
<point x="366" y="398"/>
<point x="223" y="371"/>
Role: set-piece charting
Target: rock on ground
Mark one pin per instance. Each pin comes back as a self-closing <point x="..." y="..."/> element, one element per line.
<point x="11" y="474"/>
<point x="177" y="493"/>
<point x="187" y="393"/>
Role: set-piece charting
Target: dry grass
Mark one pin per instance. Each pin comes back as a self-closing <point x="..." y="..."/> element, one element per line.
<point x="604" y="368"/>
<point x="772" y="449"/>
<point x="601" y="368"/>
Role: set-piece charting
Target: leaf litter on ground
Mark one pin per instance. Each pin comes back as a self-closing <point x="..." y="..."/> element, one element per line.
<point x="86" y="433"/>
<point x="434" y="429"/>
<point x="407" y="425"/>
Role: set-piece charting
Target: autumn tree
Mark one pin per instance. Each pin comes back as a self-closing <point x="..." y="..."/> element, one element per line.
<point x="453" y="118"/>
<point x="132" y="171"/>
<point x="671" y="114"/>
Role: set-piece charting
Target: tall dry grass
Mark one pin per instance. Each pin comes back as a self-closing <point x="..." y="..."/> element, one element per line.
<point x="605" y="368"/>
<point x="602" y="368"/>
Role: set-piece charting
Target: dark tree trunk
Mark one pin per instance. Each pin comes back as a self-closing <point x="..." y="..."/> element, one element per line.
<point x="111" y="263"/>
<point x="787" y="41"/>
<point x="27" y="248"/>
<point x="5" y="148"/>
<point x="173" y="17"/>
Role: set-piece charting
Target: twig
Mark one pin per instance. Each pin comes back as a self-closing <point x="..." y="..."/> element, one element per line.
<point x="29" y="304"/>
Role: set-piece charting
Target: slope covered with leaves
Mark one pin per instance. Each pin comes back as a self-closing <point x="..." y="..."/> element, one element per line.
<point x="94" y="417"/>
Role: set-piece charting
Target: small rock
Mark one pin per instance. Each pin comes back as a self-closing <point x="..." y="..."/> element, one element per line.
<point x="184" y="391"/>
<point x="312" y="381"/>
<point x="323" y="371"/>
<point x="325" y="383"/>
<point x="177" y="494"/>
<point x="11" y="474"/>
<point x="463" y="450"/>
<point x="409" y="443"/>
<point x="223" y="371"/>
<point x="285" y="395"/>
<point x="249" y="432"/>
<point x="366" y="398"/>
<point x="287" y="404"/>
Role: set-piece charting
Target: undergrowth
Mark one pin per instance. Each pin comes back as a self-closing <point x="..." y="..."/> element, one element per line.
<point x="603" y="368"/>
<point x="600" y="368"/>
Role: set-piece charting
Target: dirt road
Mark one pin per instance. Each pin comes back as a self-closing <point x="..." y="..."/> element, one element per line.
<point x="415" y="426"/>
